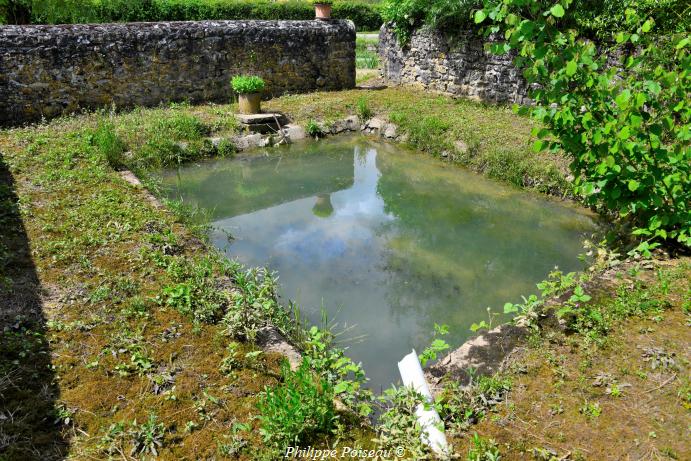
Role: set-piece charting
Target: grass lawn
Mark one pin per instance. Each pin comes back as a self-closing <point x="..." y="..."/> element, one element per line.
<point x="114" y="341"/>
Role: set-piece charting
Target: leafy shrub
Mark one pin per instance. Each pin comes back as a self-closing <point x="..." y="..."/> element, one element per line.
<point x="595" y="19"/>
<point x="15" y="11"/>
<point x="625" y="128"/>
<point x="247" y="84"/>
<point x="365" y="16"/>
<point x="298" y="408"/>
<point x="603" y="19"/>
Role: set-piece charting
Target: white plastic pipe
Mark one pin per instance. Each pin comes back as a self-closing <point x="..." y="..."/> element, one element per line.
<point x="430" y="422"/>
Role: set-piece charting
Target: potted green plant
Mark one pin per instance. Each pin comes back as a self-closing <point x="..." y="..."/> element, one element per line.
<point x="249" y="88"/>
<point x="322" y="9"/>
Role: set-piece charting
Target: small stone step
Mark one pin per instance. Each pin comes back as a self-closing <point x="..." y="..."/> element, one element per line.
<point x="262" y="123"/>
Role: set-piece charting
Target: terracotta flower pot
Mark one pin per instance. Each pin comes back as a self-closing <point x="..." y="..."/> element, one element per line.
<point x="250" y="103"/>
<point x="322" y="11"/>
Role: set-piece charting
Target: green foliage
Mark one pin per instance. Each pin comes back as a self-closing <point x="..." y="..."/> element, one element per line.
<point x="365" y="16"/>
<point x="331" y="364"/>
<point x="194" y="291"/>
<point x="226" y="148"/>
<point x="426" y="132"/>
<point x="15" y="11"/>
<point x="147" y="437"/>
<point x="300" y="407"/>
<point x="484" y="325"/>
<point x="171" y="139"/>
<point x="182" y="126"/>
<point x="407" y="15"/>
<point x="590" y="410"/>
<point x="314" y="129"/>
<point x="625" y="128"/>
<point x="600" y="19"/>
<point x="364" y="111"/>
<point x="398" y="424"/>
<point x="595" y="19"/>
<point x="255" y="304"/>
<point x="246" y="84"/>
<point x="438" y="345"/>
<point x="108" y="144"/>
<point x="461" y="406"/>
<point x="365" y="58"/>
<point x="483" y="449"/>
<point x="527" y="312"/>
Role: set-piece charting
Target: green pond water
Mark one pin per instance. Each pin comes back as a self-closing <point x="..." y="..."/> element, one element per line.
<point x="387" y="240"/>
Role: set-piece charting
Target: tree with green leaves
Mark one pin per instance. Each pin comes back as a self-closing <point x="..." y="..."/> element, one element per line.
<point x="624" y="124"/>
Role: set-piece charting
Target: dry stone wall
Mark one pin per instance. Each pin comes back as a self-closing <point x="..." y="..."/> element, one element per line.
<point x="456" y="65"/>
<point x="46" y="71"/>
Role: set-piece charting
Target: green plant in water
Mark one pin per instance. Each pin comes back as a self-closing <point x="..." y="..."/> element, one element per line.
<point x="247" y="84"/>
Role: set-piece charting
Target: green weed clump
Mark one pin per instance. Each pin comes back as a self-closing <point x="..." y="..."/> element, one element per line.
<point x="314" y="129"/>
<point x="299" y="408"/>
<point x="364" y="111"/>
<point x="172" y="139"/>
<point x="108" y="144"/>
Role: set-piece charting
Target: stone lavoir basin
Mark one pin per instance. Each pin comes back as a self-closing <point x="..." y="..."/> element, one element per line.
<point x="386" y="240"/>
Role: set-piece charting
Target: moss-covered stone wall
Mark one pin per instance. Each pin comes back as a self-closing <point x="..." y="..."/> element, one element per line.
<point x="46" y="71"/>
<point x="456" y="64"/>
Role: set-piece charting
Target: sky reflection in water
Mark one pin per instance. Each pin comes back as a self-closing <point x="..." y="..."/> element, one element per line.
<point x="383" y="238"/>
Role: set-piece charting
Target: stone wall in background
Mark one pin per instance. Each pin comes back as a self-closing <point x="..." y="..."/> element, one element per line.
<point x="46" y="71"/>
<point x="454" y="65"/>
